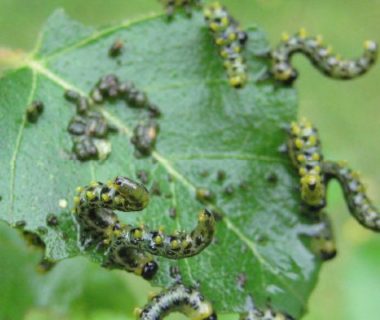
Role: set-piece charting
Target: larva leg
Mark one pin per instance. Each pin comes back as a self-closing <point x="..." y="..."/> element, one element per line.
<point x="304" y="149"/>
<point x="321" y="57"/>
<point x="359" y="205"/>
<point x="177" y="298"/>
<point x="177" y="246"/>
<point x="231" y="40"/>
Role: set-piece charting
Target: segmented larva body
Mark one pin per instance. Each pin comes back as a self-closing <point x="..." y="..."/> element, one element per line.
<point x="360" y="206"/>
<point x="321" y="57"/>
<point x="231" y="40"/>
<point x="171" y="5"/>
<point x="178" y="298"/>
<point x="177" y="246"/>
<point x="304" y="149"/>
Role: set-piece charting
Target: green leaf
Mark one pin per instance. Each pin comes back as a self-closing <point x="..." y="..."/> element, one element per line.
<point x="206" y="126"/>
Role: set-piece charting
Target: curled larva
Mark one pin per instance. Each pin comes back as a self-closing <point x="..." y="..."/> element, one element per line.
<point x="304" y="149"/>
<point x="176" y="246"/>
<point x="172" y="5"/>
<point x="268" y="314"/>
<point x="177" y="298"/>
<point x="359" y="205"/>
<point x="231" y="40"/>
<point x="321" y="57"/>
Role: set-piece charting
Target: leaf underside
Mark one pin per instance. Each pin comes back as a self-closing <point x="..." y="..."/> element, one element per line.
<point x="206" y="126"/>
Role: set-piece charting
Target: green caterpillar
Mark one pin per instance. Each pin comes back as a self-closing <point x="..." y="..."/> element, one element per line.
<point x="177" y="298"/>
<point x="321" y="57"/>
<point x="360" y="206"/>
<point x="304" y="149"/>
<point x="129" y="247"/>
<point x="231" y="40"/>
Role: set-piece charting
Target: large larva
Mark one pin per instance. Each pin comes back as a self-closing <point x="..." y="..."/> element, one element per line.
<point x="321" y="57"/>
<point x="359" y="205"/>
<point x="305" y="152"/>
<point x="178" y="298"/>
<point x="231" y="40"/>
<point x="177" y="246"/>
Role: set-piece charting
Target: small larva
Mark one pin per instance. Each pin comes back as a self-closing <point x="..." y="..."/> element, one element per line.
<point x="304" y="150"/>
<point x="144" y="137"/>
<point x="359" y="205"/>
<point x="321" y="57"/>
<point x="116" y="48"/>
<point x="231" y="40"/>
<point x="267" y="314"/>
<point x="171" y="5"/>
<point x="177" y="298"/>
<point x="34" y="111"/>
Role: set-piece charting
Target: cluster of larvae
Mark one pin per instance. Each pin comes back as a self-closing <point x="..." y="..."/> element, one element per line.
<point x="130" y="247"/>
<point x="88" y="129"/>
<point x="146" y="132"/>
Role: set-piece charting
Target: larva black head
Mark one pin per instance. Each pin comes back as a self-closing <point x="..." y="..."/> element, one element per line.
<point x="149" y="270"/>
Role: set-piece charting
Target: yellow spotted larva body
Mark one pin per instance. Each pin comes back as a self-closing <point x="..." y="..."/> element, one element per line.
<point x="231" y="40"/>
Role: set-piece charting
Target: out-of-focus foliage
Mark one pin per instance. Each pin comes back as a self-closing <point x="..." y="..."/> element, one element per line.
<point x="346" y="113"/>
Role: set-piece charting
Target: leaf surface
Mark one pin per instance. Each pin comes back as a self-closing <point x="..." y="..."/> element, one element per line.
<point x="206" y="127"/>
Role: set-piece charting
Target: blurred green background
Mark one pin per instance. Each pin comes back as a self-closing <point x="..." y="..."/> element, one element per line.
<point x="347" y="113"/>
